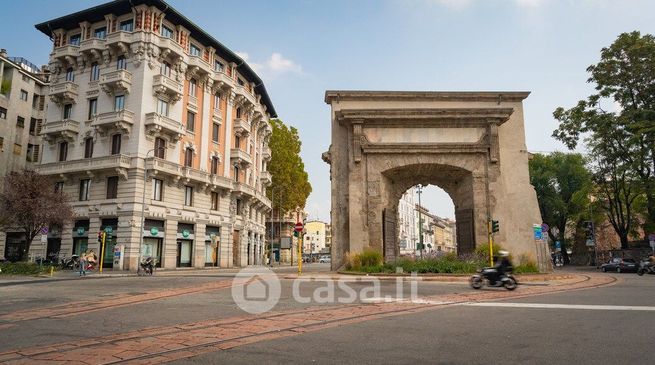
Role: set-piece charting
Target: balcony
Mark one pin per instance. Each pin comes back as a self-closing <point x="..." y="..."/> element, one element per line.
<point x="156" y="124"/>
<point x="64" y="92"/>
<point x="177" y="171"/>
<point x="240" y="157"/>
<point x="265" y="178"/>
<point x="221" y="182"/>
<point x="114" y="163"/>
<point x="243" y="95"/>
<point x="266" y="153"/>
<point x="119" y="41"/>
<point x="93" y="46"/>
<point x="243" y="189"/>
<point x="241" y="127"/>
<point x="166" y="87"/>
<point x="169" y="48"/>
<point x="121" y="120"/>
<point x="217" y="116"/>
<point x="67" y="129"/>
<point x="198" y="66"/>
<point x="68" y="54"/>
<point x="222" y="80"/>
<point x="116" y="82"/>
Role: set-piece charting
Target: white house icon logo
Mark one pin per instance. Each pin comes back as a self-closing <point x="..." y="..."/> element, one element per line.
<point x="256" y="290"/>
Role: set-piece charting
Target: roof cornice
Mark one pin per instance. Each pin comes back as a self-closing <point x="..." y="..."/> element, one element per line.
<point x="364" y="95"/>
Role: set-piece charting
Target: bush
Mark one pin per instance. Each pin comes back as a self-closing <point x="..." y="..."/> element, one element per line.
<point x="23" y="268"/>
<point x="370" y="258"/>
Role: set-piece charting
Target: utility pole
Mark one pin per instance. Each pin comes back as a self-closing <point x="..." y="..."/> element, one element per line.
<point x="419" y="189"/>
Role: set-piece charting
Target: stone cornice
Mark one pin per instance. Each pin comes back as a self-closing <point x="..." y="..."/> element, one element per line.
<point x="498" y="96"/>
<point x="464" y="117"/>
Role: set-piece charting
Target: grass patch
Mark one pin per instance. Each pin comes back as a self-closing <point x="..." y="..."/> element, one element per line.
<point x="23" y="268"/>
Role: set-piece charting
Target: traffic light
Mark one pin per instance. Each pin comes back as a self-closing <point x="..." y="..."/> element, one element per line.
<point x="588" y="230"/>
<point x="495" y="226"/>
<point x="100" y="237"/>
<point x="295" y="233"/>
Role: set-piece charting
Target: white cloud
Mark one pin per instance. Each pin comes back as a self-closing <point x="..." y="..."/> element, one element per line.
<point x="275" y="65"/>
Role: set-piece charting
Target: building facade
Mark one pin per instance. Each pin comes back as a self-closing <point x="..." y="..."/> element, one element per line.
<point x="315" y="237"/>
<point x="425" y="227"/>
<point x="23" y="89"/>
<point x="280" y="232"/>
<point x="407" y="226"/>
<point x="149" y="116"/>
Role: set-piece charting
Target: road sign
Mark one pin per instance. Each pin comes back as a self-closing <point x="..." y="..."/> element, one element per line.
<point x="558" y="246"/>
<point x="44" y="230"/>
<point x="299" y="227"/>
<point x="537" y="231"/>
<point x="544" y="227"/>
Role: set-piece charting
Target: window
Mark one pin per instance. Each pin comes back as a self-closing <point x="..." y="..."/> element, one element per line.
<point x="219" y="66"/>
<point x="32" y="152"/>
<point x="112" y="187"/>
<point x="160" y="148"/>
<point x="75" y="39"/>
<point x="157" y="186"/>
<point x="88" y="147"/>
<point x="190" y="121"/>
<point x="33" y="124"/>
<point x="100" y="33"/>
<point x="215" y="132"/>
<point x="162" y="107"/>
<point x="166" y="32"/>
<point x="35" y="101"/>
<point x="121" y="63"/>
<point x="63" y="151"/>
<point x="194" y="50"/>
<point x="238" y="112"/>
<point x="93" y="108"/>
<point x="237" y="142"/>
<point x="68" y="111"/>
<point x="59" y="187"/>
<point x="70" y="74"/>
<point x="214" y="165"/>
<point x="126" y="25"/>
<point x="217" y="101"/>
<point x="95" y="71"/>
<point x="85" y="184"/>
<point x="119" y="103"/>
<point x="188" y="157"/>
<point x="192" y="87"/>
<point x="23" y="95"/>
<point x="116" y="144"/>
<point x="239" y="207"/>
<point x="240" y="82"/>
<point x="188" y="196"/>
<point x="165" y="69"/>
<point x="3" y="113"/>
<point x="20" y="122"/>
<point x="236" y="173"/>
<point x="214" y="197"/>
<point x="18" y="149"/>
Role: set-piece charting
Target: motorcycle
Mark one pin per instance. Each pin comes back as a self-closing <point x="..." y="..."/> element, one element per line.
<point x="147" y="266"/>
<point x="487" y="276"/>
<point x="645" y="266"/>
<point x="70" y="263"/>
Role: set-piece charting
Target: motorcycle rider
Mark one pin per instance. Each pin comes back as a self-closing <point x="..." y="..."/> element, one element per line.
<point x="502" y="267"/>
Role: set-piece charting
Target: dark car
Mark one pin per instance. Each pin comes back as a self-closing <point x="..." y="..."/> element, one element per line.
<point x="620" y="265"/>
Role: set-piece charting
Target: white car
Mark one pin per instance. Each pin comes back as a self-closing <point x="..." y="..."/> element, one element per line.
<point x="325" y="260"/>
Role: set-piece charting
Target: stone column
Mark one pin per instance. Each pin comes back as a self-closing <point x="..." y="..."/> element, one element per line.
<point x="206" y="123"/>
<point x="169" y="255"/>
<point x="199" y="245"/>
<point x="228" y="134"/>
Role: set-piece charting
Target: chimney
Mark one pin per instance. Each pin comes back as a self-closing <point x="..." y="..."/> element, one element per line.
<point x="3" y="52"/>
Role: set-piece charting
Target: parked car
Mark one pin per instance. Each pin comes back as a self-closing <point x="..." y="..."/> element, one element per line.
<point x="620" y="265"/>
<point x="325" y="260"/>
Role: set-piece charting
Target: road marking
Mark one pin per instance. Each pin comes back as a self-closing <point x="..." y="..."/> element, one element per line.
<point x="562" y="306"/>
<point x="390" y="299"/>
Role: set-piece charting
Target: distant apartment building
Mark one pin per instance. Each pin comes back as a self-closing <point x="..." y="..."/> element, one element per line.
<point x="150" y="115"/>
<point x="23" y="89"/>
<point x="315" y="237"/>
<point x="407" y="226"/>
<point x="425" y="228"/>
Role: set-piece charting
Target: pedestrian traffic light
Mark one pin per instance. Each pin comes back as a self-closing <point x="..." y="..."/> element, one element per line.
<point x="495" y="226"/>
<point x="100" y="237"/>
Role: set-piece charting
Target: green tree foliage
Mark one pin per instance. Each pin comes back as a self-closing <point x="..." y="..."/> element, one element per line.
<point x="29" y="202"/>
<point x="621" y="142"/>
<point x="291" y="186"/>
<point x="563" y="184"/>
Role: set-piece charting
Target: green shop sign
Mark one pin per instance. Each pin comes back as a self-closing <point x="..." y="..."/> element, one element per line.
<point x="80" y="231"/>
<point x="185" y="233"/>
<point x="108" y="229"/>
<point x="154" y="231"/>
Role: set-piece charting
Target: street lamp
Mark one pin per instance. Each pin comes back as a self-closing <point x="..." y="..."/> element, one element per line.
<point x="419" y="189"/>
<point x="143" y="204"/>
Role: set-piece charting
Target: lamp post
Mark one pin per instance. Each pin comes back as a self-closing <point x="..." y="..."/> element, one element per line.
<point x="419" y="189"/>
<point x="143" y="205"/>
<point x="273" y="190"/>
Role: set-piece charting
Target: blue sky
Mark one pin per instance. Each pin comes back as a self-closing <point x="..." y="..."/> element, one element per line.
<point x="302" y="48"/>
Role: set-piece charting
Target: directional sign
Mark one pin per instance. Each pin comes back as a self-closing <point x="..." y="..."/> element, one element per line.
<point x="537" y="231"/>
<point x="299" y="227"/>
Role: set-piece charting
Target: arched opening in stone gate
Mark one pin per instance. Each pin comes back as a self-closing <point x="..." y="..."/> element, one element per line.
<point x="456" y="181"/>
<point x="426" y="218"/>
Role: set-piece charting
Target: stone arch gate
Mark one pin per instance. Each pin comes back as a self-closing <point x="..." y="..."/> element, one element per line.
<point x="471" y="144"/>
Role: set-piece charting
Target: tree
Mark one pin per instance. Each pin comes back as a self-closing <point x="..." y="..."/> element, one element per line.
<point x="624" y="75"/>
<point x="30" y="203"/>
<point x="563" y="184"/>
<point x="290" y="185"/>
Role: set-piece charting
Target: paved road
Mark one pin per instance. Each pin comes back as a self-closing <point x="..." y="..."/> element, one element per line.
<point x="193" y="319"/>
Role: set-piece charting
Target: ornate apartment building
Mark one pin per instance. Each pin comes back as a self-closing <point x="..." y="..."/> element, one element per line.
<point x="407" y="227"/>
<point x="148" y="114"/>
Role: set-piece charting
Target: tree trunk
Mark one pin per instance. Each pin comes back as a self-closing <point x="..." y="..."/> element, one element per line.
<point x="28" y="243"/>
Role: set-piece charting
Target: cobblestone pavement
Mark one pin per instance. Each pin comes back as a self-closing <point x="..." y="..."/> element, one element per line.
<point x="184" y="340"/>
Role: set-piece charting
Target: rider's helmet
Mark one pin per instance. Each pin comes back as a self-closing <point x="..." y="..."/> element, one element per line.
<point x="503" y="253"/>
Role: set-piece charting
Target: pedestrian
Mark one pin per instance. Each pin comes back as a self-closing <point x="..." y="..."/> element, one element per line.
<point x="83" y="263"/>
